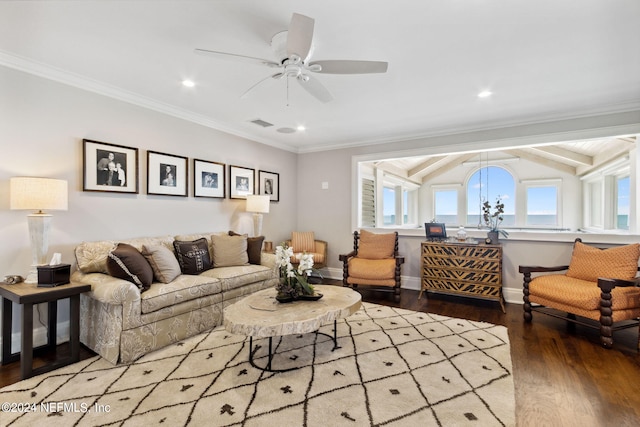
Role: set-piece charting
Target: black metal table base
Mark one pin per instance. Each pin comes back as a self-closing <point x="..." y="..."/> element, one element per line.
<point x="268" y="367"/>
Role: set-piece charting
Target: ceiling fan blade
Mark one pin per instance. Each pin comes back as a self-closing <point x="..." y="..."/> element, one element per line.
<point x="351" y="67"/>
<point x="236" y="57"/>
<point x="276" y="76"/>
<point x="315" y="88"/>
<point x="300" y="36"/>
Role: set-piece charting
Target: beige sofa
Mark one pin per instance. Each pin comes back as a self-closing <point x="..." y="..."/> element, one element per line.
<point x="122" y="324"/>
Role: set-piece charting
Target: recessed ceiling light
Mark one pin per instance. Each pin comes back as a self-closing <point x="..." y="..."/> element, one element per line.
<point x="485" y="94"/>
<point x="188" y="83"/>
<point x="301" y="128"/>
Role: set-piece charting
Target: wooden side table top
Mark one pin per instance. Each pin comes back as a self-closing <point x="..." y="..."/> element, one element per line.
<point x="23" y="293"/>
<point x="261" y="315"/>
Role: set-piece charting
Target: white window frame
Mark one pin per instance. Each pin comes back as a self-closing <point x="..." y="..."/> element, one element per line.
<point x="523" y="213"/>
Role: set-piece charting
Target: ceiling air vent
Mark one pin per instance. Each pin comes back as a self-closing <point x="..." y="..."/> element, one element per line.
<point x="262" y="123"/>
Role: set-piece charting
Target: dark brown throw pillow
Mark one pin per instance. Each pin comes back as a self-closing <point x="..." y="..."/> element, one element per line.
<point x="126" y="262"/>
<point x="193" y="256"/>
<point x="254" y="247"/>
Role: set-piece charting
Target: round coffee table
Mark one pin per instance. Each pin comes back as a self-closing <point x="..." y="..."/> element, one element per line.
<point x="260" y="315"/>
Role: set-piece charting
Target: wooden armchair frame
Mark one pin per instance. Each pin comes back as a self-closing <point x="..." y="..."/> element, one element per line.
<point x="399" y="259"/>
<point x="606" y="325"/>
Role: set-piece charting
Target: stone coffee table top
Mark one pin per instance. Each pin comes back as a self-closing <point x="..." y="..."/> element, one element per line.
<point x="260" y="315"/>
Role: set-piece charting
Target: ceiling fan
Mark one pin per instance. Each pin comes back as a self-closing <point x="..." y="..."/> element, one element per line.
<point x="293" y="48"/>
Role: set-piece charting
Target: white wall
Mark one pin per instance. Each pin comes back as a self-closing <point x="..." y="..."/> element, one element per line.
<point x="42" y="124"/>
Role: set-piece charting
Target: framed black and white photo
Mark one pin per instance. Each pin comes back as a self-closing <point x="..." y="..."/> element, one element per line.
<point x="208" y="179"/>
<point x="240" y="182"/>
<point x="109" y="167"/>
<point x="167" y="174"/>
<point x="269" y="185"/>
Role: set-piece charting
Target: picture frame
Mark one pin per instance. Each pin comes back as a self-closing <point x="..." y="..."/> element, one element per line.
<point x="269" y="184"/>
<point x="435" y="230"/>
<point x="241" y="182"/>
<point x="209" y="179"/>
<point x="109" y="167"/>
<point x="167" y="174"/>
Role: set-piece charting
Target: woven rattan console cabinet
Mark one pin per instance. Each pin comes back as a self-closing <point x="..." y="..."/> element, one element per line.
<point x="463" y="269"/>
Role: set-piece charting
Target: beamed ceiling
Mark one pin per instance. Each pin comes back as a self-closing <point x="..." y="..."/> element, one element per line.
<point x="575" y="158"/>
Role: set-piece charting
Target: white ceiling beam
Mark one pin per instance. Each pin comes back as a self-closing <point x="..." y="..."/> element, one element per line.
<point x="417" y="170"/>
<point x="565" y="155"/>
<point x="527" y="155"/>
<point x="447" y="163"/>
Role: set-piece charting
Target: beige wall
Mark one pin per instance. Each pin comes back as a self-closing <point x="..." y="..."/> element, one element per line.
<point x="42" y="124"/>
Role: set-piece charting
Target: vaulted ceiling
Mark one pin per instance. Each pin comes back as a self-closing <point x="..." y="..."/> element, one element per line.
<point x="542" y="60"/>
<point x="576" y="158"/>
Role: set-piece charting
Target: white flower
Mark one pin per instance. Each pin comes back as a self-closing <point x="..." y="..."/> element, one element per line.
<point x="306" y="264"/>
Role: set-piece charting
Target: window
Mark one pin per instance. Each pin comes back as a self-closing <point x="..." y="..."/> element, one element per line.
<point x="490" y="183"/>
<point x="607" y="197"/>
<point x="389" y="206"/>
<point x="542" y="205"/>
<point x="446" y="206"/>
<point x="623" y="194"/>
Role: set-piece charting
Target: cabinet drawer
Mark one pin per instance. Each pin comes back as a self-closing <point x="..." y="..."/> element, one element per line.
<point x="462" y="275"/>
<point x="464" y="263"/>
<point x="462" y="288"/>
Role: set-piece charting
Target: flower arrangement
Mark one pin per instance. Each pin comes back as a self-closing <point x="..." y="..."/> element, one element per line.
<point x="293" y="282"/>
<point x="492" y="219"/>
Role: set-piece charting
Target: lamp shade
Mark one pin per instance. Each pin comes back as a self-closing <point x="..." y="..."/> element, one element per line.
<point x="258" y="204"/>
<point x="33" y="193"/>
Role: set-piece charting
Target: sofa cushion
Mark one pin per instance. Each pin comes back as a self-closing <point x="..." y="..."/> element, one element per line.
<point x="376" y="245"/>
<point x="303" y="241"/>
<point x="163" y="262"/>
<point x="229" y="250"/>
<point x="183" y="288"/>
<point x="254" y="247"/>
<point x="238" y="276"/>
<point x="126" y="262"/>
<point x="193" y="256"/>
<point x="589" y="263"/>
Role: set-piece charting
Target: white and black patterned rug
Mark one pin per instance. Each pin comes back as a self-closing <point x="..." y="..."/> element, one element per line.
<point x="395" y="367"/>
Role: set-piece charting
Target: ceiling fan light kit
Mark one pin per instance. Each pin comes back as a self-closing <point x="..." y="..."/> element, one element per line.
<point x="293" y="49"/>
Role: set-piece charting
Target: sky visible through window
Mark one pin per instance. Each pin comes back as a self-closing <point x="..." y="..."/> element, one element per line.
<point x="496" y="182"/>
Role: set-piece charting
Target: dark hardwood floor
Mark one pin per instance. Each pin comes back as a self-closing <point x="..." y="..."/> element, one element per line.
<point x="562" y="377"/>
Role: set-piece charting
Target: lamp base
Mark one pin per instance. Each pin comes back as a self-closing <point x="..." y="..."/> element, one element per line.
<point x="257" y="224"/>
<point x="39" y="226"/>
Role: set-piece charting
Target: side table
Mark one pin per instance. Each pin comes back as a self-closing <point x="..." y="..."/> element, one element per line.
<point x="28" y="295"/>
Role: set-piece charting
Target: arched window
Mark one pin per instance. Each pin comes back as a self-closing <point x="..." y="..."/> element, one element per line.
<point x="491" y="183"/>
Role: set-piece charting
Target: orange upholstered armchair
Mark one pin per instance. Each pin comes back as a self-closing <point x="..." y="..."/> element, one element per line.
<point x="374" y="261"/>
<point x="305" y="242"/>
<point x="599" y="289"/>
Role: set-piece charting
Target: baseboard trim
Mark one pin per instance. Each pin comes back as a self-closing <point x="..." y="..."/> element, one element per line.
<point x="39" y="337"/>
<point x="512" y="296"/>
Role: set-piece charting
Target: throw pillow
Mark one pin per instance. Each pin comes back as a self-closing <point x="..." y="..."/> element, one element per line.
<point x="229" y="251"/>
<point x="376" y="245"/>
<point x="254" y="247"/>
<point x="126" y="262"/>
<point x="589" y="263"/>
<point x="163" y="262"/>
<point x="193" y="256"/>
<point x="303" y="241"/>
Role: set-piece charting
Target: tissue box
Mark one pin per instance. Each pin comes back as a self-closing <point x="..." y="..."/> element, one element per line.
<point x="53" y="275"/>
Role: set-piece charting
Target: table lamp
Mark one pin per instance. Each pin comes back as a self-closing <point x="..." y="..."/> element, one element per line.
<point x="38" y="194"/>
<point x="258" y="205"/>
